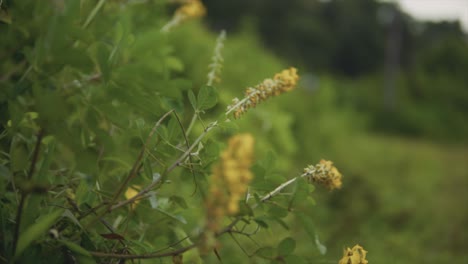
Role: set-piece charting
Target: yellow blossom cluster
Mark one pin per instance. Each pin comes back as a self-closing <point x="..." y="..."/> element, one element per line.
<point x="131" y="192"/>
<point x="324" y="173"/>
<point x="280" y="83"/>
<point x="191" y="9"/>
<point x="230" y="179"/>
<point x="356" y="255"/>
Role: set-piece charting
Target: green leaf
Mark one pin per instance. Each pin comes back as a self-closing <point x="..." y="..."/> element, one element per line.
<point x="175" y="217"/>
<point x="268" y="163"/>
<point x="277" y="212"/>
<point x="76" y="248"/>
<point x="180" y="201"/>
<point x="5" y="16"/>
<point x="261" y="223"/>
<point x="259" y="179"/>
<point x="300" y="194"/>
<point x="174" y="64"/>
<point x="42" y="174"/>
<point x="19" y="157"/>
<point x="173" y="129"/>
<point x="282" y="223"/>
<point x="266" y="252"/>
<point x="295" y="259"/>
<point x="310" y="230"/>
<point x="286" y="246"/>
<point x="147" y="168"/>
<point x="182" y="236"/>
<point x="36" y="230"/>
<point x="207" y="97"/>
<point x="321" y="247"/>
<point x="192" y="99"/>
<point x="100" y="53"/>
<point x="68" y="214"/>
<point x="5" y="173"/>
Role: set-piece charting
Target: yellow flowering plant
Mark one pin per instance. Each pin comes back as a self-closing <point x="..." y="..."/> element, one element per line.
<point x="356" y="255"/>
<point x="190" y="9"/>
<point x="103" y="156"/>
<point x="282" y="82"/>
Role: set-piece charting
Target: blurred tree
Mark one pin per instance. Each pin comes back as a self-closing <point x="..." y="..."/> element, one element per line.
<point x="424" y="63"/>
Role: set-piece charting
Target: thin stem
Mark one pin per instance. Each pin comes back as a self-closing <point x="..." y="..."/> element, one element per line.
<point x="143" y="256"/>
<point x="171" y="168"/>
<point x="31" y="171"/>
<point x="190" y="156"/>
<point x="238" y="244"/>
<point x="192" y="122"/>
<point x="194" y="144"/>
<point x="14" y="69"/>
<point x="136" y="165"/>
<point x="176" y="252"/>
<point x="28" y="70"/>
<point x="237" y="105"/>
<point x="227" y="229"/>
<point x="172" y="23"/>
<point x="93" y="13"/>
<point x="280" y="188"/>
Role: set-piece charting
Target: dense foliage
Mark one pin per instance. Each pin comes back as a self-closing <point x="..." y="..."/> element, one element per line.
<point x="110" y="152"/>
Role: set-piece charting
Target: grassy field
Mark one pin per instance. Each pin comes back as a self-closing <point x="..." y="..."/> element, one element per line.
<point x="403" y="199"/>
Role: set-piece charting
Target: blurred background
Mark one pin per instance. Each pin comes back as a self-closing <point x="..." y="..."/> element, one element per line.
<point x="384" y="95"/>
<point x="407" y="75"/>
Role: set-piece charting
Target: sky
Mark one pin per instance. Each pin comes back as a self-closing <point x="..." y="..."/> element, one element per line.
<point x="437" y="10"/>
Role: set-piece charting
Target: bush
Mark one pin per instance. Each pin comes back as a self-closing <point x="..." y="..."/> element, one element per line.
<point x="113" y="145"/>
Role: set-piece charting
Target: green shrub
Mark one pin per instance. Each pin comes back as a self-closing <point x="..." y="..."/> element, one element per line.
<point x="111" y="140"/>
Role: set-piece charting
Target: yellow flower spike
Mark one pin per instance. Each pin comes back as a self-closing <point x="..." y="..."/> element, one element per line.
<point x="192" y="9"/>
<point x="288" y="77"/>
<point x="282" y="82"/>
<point x="230" y="180"/>
<point x="356" y="255"/>
<point x="325" y="173"/>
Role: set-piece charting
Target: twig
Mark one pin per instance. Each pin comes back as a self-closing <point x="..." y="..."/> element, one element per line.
<point x="227" y="229"/>
<point x="142" y="256"/>
<point x="172" y="167"/>
<point x="32" y="168"/>
<point x="185" y="138"/>
<point x="190" y="156"/>
<point x="194" y="144"/>
<point x="192" y="122"/>
<point x="136" y="165"/>
<point x="238" y="244"/>
<point x="93" y="13"/>
<point x="28" y="70"/>
<point x="14" y="69"/>
<point x="280" y="188"/>
<point x="179" y="251"/>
